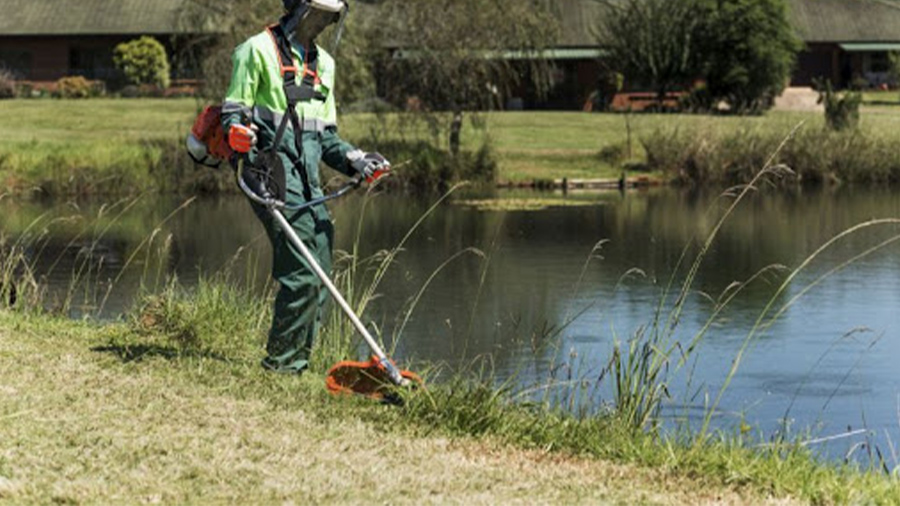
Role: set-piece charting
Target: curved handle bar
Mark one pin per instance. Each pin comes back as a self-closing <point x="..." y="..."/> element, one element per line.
<point x="273" y="203"/>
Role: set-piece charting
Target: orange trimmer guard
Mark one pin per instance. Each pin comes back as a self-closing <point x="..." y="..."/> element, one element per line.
<point x="370" y="379"/>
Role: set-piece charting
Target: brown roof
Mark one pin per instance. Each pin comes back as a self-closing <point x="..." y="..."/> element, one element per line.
<point x="846" y="20"/>
<point x="90" y="17"/>
<point x="578" y="22"/>
<point x="814" y="20"/>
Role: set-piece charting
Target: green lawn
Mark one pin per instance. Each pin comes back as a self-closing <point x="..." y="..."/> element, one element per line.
<point x="110" y="135"/>
<point x="94" y="121"/>
<point x="885" y="98"/>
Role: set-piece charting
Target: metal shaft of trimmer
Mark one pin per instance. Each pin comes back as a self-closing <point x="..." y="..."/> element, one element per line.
<point x="296" y="241"/>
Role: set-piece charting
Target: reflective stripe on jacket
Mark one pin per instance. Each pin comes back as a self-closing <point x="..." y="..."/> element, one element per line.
<point x="256" y="91"/>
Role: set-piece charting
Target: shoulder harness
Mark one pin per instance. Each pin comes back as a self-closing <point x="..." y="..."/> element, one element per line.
<point x="304" y="92"/>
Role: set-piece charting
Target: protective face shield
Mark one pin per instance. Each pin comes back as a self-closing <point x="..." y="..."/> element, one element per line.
<point x="314" y="16"/>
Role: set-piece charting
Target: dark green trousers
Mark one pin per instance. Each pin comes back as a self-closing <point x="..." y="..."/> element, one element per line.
<point x="301" y="295"/>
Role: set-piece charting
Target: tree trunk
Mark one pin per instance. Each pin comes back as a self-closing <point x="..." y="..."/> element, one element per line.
<point x="661" y="97"/>
<point x="455" y="129"/>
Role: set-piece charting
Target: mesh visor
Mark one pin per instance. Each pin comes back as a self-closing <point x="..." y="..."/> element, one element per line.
<point x="334" y="6"/>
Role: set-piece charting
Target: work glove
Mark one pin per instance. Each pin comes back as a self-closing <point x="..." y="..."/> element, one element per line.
<point x="242" y="138"/>
<point x="372" y="165"/>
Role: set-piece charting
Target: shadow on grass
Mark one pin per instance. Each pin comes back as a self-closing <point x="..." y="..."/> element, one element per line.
<point x="138" y="352"/>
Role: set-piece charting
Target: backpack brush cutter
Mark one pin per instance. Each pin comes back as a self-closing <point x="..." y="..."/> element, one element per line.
<point x="374" y="378"/>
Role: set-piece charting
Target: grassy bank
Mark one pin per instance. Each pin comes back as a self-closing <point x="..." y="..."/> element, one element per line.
<point x="100" y="415"/>
<point x="125" y="146"/>
<point x="100" y="146"/>
<point x="171" y="406"/>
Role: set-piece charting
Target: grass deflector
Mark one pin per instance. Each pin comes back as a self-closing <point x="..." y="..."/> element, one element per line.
<point x="372" y="378"/>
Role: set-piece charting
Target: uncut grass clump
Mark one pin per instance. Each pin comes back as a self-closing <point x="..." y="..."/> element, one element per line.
<point x="18" y="288"/>
<point x="214" y="317"/>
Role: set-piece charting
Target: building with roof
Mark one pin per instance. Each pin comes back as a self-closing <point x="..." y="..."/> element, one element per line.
<point x="44" y="40"/>
<point x="845" y="40"/>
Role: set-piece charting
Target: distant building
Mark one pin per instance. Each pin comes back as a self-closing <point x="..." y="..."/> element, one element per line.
<point x="43" y="40"/>
<point x="845" y="40"/>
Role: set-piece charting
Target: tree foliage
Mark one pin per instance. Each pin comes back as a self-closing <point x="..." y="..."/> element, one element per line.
<point x="747" y="51"/>
<point x="458" y="55"/>
<point x="143" y="61"/>
<point x="653" y="42"/>
<point x="743" y="49"/>
<point x="455" y="54"/>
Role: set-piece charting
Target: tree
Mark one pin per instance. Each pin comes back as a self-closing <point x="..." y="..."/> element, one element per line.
<point x="462" y="55"/>
<point x="653" y="42"/>
<point x="748" y="49"/>
<point x="143" y="61"/>
<point x="743" y="49"/>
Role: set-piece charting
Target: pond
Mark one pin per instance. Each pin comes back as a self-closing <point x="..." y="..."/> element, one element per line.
<point x="538" y="286"/>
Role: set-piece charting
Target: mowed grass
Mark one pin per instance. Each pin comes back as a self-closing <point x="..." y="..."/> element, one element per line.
<point x="90" y="415"/>
<point x="95" y="121"/>
<point x="122" y="145"/>
<point x="882" y="98"/>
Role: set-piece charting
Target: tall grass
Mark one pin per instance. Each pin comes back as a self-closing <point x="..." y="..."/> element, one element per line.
<point x="18" y="287"/>
<point x="214" y="318"/>
<point x="640" y="368"/>
<point x="428" y="164"/>
<point x="83" y="248"/>
<point x="816" y="155"/>
<point x="53" y="169"/>
<point x="359" y="280"/>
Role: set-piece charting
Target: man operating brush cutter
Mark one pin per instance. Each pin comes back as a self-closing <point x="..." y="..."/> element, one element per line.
<point x="280" y="120"/>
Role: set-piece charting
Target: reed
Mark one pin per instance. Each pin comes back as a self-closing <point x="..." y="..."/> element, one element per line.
<point x="816" y="154"/>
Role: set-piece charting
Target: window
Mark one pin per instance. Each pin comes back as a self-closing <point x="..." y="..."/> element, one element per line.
<point x="17" y="61"/>
<point x="91" y="62"/>
<point x="876" y="62"/>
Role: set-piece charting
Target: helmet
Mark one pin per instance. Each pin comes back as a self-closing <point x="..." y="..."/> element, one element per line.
<point x="295" y="10"/>
<point x="335" y="6"/>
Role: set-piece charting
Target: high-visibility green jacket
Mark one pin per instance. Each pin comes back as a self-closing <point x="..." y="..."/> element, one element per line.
<point x="257" y="92"/>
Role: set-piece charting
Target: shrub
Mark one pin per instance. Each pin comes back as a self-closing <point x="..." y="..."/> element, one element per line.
<point x="746" y="51"/>
<point x="74" y="87"/>
<point x="130" y="91"/>
<point x="25" y="90"/>
<point x="143" y="61"/>
<point x="613" y="154"/>
<point x="841" y="110"/>
<point x="427" y="168"/>
<point x="608" y="85"/>
<point x="98" y="88"/>
<point x="7" y="84"/>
